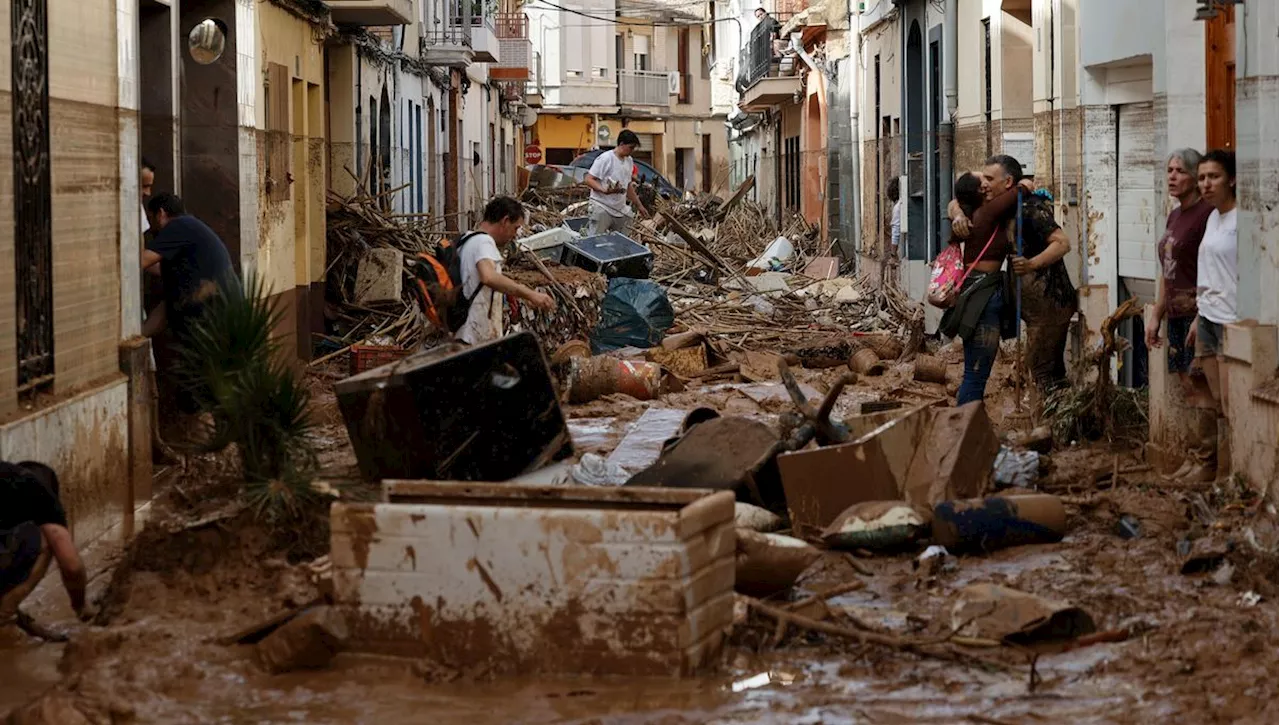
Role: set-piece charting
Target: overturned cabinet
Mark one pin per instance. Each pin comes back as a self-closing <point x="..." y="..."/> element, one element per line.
<point x="483" y="413"/>
<point x="510" y="578"/>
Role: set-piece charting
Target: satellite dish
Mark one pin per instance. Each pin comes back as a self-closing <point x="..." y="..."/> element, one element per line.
<point x="603" y="132"/>
<point x="528" y="117"/>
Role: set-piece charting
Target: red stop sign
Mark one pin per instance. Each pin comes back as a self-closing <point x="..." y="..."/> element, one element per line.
<point x="532" y="155"/>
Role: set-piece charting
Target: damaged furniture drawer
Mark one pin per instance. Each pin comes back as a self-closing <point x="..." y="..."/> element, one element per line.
<point x="483" y="413"/>
<point x="521" y="579"/>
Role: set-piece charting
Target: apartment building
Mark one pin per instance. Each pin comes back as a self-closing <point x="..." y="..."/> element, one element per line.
<point x="646" y="67"/>
<point x="793" y="117"/>
<point x="427" y="100"/>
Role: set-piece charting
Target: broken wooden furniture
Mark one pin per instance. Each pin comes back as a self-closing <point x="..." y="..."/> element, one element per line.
<point x="483" y="413"/>
<point x="566" y="579"/>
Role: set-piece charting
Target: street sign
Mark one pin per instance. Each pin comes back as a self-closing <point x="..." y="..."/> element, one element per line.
<point x="532" y="155"/>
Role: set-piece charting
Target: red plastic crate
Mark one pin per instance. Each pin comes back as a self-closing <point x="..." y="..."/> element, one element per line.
<point x="368" y="357"/>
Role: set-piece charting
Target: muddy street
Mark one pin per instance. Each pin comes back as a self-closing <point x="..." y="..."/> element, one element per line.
<point x="1194" y="647"/>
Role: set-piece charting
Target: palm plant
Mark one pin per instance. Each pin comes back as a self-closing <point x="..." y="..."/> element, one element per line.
<point x="252" y="398"/>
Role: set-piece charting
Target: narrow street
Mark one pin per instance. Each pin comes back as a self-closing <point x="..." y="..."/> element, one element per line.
<point x="1198" y="649"/>
<point x="640" y="361"/>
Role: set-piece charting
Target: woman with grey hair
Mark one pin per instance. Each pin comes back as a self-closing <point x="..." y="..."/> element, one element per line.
<point x="1177" y="252"/>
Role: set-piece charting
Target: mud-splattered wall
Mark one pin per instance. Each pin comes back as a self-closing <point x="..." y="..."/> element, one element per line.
<point x="289" y="137"/>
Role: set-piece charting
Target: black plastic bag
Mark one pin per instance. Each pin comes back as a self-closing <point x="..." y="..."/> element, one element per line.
<point x="635" y="313"/>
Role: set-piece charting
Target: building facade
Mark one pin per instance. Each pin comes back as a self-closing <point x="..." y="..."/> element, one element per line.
<point x="70" y="253"/>
<point x="784" y="132"/>
<point x="646" y="67"/>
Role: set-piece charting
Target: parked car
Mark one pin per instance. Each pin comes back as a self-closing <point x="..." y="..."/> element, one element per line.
<point x="555" y="176"/>
<point x="646" y="173"/>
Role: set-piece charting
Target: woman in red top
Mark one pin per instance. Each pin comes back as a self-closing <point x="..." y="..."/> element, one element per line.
<point x="1177" y="251"/>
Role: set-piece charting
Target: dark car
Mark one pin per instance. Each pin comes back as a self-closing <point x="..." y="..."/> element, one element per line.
<point x="646" y="173"/>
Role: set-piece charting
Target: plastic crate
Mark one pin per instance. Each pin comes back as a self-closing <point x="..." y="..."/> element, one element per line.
<point x="368" y="357"/>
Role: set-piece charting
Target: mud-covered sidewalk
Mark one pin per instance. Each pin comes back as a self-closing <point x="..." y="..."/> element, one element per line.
<point x="1197" y="647"/>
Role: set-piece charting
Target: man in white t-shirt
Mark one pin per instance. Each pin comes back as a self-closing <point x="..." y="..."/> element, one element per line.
<point x="482" y="279"/>
<point x="612" y="185"/>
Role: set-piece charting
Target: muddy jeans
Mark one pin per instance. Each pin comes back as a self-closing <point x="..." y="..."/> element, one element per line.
<point x="980" y="352"/>
<point x="1046" y="355"/>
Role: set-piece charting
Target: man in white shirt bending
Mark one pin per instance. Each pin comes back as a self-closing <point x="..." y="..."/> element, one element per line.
<point x="482" y="279"/>
<point x="612" y="185"/>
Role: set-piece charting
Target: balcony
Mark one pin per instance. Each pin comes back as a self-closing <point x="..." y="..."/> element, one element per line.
<point x="484" y="38"/>
<point x="533" y="89"/>
<point x="644" y="88"/>
<point x="766" y="78"/>
<point x="447" y="45"/>
<point x="371" y="12"/>
<point x="515" y="50"/>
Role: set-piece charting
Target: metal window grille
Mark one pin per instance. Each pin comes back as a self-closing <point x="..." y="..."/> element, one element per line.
<point x="32" y="189"/>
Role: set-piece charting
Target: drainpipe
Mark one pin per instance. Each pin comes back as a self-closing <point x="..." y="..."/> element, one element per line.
<point x="946" y="130"/>
<point x="855" y="104"/>
<point x="950" y="26"/>
<point x="359" y="114"/>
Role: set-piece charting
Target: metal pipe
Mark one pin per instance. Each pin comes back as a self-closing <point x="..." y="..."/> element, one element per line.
<point x="950" y="25"/>
<point x="855" y="132"/>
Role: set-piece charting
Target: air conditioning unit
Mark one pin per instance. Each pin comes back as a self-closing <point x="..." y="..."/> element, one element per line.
<point x="673" y="83"/>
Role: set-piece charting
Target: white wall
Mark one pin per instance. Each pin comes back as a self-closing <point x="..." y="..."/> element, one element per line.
<point x="578" y="62"/>
<point x="1257" y="140"/>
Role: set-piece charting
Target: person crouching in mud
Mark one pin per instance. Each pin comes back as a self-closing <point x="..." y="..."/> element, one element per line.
<point x="976" y="316"/>
<point x="33" y="531"/>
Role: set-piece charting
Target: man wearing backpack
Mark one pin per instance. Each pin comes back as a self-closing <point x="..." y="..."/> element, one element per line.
<point x="480" y="264"/>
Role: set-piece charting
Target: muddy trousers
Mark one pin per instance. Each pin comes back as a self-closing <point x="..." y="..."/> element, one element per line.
<point x="1047" y="355"/>
<point x="980" y="352"/>
<point x="24" y="559"/>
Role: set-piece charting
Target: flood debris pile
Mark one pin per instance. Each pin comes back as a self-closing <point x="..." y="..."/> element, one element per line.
<point x="367" y="293"/>
<point x="374" y="300"/>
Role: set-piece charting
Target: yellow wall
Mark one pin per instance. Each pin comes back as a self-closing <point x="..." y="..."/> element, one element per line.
<point x="565" y="132"/>
<point x="291" y="231"/>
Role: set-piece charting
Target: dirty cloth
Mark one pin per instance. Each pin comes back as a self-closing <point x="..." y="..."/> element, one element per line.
<point x="971" y="305"/>
<point x="1047" y="293"/>
<point x="981" y="348"/>
<point x="1047" y="355"/>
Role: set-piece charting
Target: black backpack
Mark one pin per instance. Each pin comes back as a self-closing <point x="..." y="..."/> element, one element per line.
<point x="439" y="279"/>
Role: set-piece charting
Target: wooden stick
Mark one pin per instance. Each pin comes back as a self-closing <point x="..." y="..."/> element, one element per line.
<point x="835" y="591"/>
<point x="555" y="283"/>
<point x="922" y="649"/>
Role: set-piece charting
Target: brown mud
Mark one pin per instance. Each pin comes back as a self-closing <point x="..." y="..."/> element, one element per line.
<point x="1200" y="648"/>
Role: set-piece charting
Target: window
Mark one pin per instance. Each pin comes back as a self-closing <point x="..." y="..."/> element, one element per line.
<point x="32" y="192"/>
<point x="706" y="56"/>
<point x="279" y="151"/>
<point x="986" y="74"/>
<point x="791" y="171"/>
<point x="640" y="52"/>
<point x="683" y="60"/>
